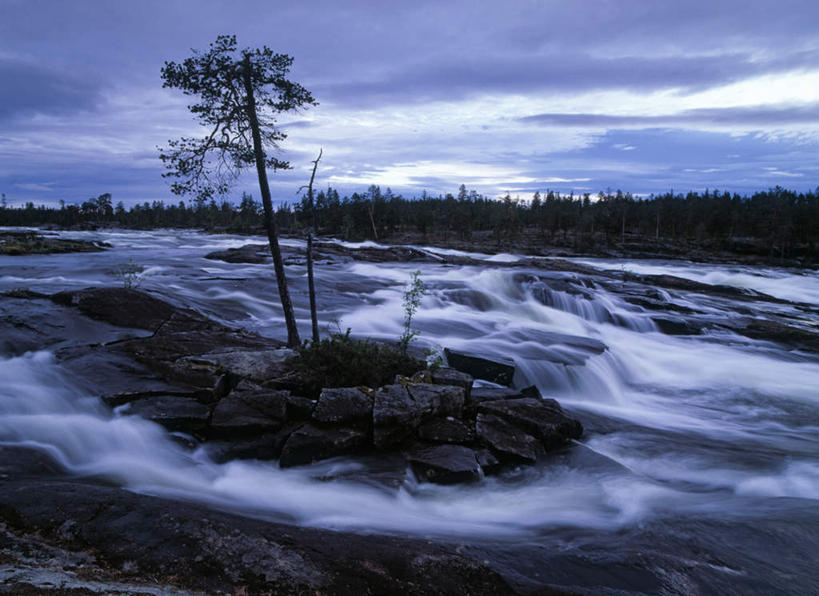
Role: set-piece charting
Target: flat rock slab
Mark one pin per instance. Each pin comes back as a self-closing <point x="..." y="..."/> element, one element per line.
<point x="255" y="365"/>
<point x="174" y="412"/>
<point x="119" y="306"/>
<point x="344" y="405"/>
<point x="444" y="464"/>
<point x="542" y="418"/>
<point x="507" y="440"/>
<point x="492" y="369"/>
<point x="311" y="443"/>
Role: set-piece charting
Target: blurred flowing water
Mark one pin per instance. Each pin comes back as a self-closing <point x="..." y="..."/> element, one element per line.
<point x="713" y="426"/>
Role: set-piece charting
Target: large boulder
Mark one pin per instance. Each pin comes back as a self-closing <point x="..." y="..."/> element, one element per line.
<point x="399" y="409"/>
<point x="444" y="464"/>
<point x="395" y="415"/>
<point x="506" y="439"/>
<point x="542" y="418"/>
<point x="311" y="443"/>
<point x="344" y="405"/>
<point x="492" y="369"/>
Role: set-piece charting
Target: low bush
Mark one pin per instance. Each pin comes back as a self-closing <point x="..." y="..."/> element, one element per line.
<point x="342" y="361"/>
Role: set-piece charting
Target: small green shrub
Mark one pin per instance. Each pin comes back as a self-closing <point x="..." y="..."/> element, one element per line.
<point x="341" y="361"/>
<point x="130" y="274"/>
<point x="412" y="300"/>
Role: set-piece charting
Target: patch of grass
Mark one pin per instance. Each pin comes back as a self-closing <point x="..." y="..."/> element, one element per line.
<point x="341" y="361"/>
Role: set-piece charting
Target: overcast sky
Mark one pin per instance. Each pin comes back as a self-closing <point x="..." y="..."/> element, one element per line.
<point x="512" y="96"/>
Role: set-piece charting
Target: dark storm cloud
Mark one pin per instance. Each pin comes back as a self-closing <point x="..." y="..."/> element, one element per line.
<point x="29" y="88"/>
<point x="745" y="116"/>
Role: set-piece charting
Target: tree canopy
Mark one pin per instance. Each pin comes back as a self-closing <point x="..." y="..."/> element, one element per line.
<point x="207" y="166"/>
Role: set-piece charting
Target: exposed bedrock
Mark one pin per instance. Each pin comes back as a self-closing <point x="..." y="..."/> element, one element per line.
<point x="238" y="394"/>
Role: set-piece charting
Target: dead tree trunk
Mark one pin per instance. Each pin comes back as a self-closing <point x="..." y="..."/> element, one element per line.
<point x="310" y="283"/>
<point x="293" y="340"/>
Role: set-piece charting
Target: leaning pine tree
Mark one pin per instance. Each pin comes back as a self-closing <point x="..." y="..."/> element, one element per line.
<point x="240" y="93"/>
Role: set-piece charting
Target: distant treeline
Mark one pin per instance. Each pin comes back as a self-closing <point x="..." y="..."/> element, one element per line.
<point x="786" y="222"/>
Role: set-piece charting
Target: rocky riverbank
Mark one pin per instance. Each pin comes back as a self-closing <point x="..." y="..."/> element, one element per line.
<point x="34" y="243"/>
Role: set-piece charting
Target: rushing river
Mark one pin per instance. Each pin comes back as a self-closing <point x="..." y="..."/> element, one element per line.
<point x="678" y="428"/>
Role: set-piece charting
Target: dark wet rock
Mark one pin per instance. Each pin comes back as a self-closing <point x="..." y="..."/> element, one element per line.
<point x="445" y="430"/>
<point x="125" y="397"/>
<point x="383" y="470"/>
<point x="119" y="306"/>
<point x="300" y="408"/>
<point x="173" y="412"/>
<point x="250" y="412"/>
<point x="444" y="464"/>
<point x="677" y="326"/>
<point x="266" y="446"/>
<point x="481" y="394"/>
<point x="249" y="253"/>
<point x="395" y="415"/>
<point x="680" y="283"/>
<point x="188" y="546"/>
<point x="770" y="330"/>
<point x="437" y="400"/>
<point x="400" y="254"/>
<point x="311" y="443"/>
<point x="344" y="405"/>
<point x="506" y="439"/>
<point x="31" y="243"/>
<point x="399" y="409"/>
<point x="660" y="304"/>
<point x="543" y="418"/>
<point x="449" y="376"/>
<point x="489" y="369"/>
<point x="487" y="460"/>
<point x="22" y="462"/>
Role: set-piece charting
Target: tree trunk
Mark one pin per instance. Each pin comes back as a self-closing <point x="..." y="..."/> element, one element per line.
<point x="310" y="282"/>
<point x="370" y="209"/>
<point x="293" y="340"/>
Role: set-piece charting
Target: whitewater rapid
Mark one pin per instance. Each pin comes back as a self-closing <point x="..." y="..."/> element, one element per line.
<point x="714" y="424"/>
